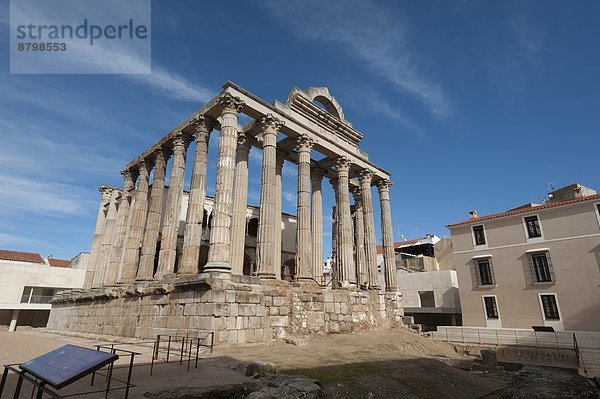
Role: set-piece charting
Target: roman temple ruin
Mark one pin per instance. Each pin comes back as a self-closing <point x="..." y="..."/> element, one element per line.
<point x="168" y="261"/>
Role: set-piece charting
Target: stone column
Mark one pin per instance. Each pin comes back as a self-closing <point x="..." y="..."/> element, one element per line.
<point x="107" y="238"/>
<point x="345" y="241"/>
<point x="335" y="234"/>
<point x="277" y="224"/>
<point x="389" y="258"/>
<point x="137" y="222"/>
<point x="119" y="237"/>
<point x="240" y="204"/>
<point x="317" y="223"/>
<point x="359" y="239"/>
<point x="147" y="260"/>
<point x="304" y="252"/>
<point x="192" y="237"/>
<point x="95" y="251"/>
<point x="170" y="230"/>
<point x="219" y="252"/>
<point x="365" y="178"/>
<point x="265" y="247"/>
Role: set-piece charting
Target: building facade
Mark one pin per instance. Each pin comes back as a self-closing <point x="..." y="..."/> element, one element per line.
<point x="427" y="281"/>
<point x="535" y="265"/>
<point x="28" y="283"/>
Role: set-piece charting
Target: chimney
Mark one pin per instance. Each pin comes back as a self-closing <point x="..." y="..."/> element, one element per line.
<point x="473" y="214"/>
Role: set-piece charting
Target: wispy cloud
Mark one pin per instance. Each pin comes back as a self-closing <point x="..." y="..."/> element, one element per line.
<point x="114" y="57"/>
<point x="523" y="55"/>
<point x="289" y="196"/>
<point x="529" y="40"/>
<point x="29" y="196"/>
<point x="368" y="33"/>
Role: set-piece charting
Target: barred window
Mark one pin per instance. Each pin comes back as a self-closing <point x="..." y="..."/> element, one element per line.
<point x="479" y="235"/>
<point x="491" y="309"/>
<point x="541" y="267"/>
<point x="484" y="272"/>
<point x="533" y="227"/>
<point x="550" y="307"/>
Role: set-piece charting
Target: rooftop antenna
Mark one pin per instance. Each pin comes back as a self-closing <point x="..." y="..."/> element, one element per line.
<point x="417" y="228"/>
<point x="550" y="190"/>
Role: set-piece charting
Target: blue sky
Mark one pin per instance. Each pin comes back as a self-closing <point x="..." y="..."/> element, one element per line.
<point x="469" y="104"/>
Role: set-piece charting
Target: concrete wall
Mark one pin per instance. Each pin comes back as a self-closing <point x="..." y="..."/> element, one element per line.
<point x="571" y="234"/>
<point x="444" y="285"/>
<point x="14" y="276"/>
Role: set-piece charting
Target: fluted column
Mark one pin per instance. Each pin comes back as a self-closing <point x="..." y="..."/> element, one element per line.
<point x="389" y="258"/>
<point x="137" y="222"/>
<point x="359" y="239"/>
<point x="365" y="178"/>
<point x="219" y="252"/>
<point x="155" y="208"/>
<point x="265" y="247"/>
<point x="106" y="239"/>
<point x="335" y="235"/>
<point x="345" y="244"/>
<point x="304" y="243"/>
<point x="112" y="274"/>
<point x="192" y="237"/>
<point x="317" y="223"/>
<point x="240" y="204"/>
<point x="95" y="251"/>
<point x="170" y="230"/>
<point x="277" y="224"/>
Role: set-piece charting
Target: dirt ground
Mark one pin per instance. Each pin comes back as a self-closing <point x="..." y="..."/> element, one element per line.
<point x="373" y="364"/>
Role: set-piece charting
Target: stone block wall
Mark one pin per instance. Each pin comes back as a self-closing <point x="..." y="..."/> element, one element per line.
<point x="238" y="310"/>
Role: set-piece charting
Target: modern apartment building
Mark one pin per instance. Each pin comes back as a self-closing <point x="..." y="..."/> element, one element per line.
<point x="535" y="265"/>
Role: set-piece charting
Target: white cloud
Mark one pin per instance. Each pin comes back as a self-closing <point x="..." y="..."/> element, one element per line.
<point x="289" y="196"/>
<point x="111" y="57"/>
<point x="368" y="33"/>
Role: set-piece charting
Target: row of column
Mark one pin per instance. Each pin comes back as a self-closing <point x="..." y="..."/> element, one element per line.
<point x="125" y="245"/>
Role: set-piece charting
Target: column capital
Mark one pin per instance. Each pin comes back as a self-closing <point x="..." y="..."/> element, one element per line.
<point x="383" y="185"/>
<point x="181" y="141"/>
<point x="142" y="168"/>
<point x="270" y="124"/>
<point x="365" y="176"/>
<point x="229" y="103"/>
<point x="333" y="182"/>
<point x="317" y="173"/>
<point x="202" y="126"/>
<point x="128" y="183"/>
<point x="342" y="164"/>
<point x="304" y="143"/>
<point x="244" y="141"/>
<point x="105" y="192"/>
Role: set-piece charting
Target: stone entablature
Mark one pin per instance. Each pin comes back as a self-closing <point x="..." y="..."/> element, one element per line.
<point x="238" y="309"/>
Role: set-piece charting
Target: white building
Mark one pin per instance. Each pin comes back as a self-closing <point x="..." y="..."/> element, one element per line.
<point x="427" y="281"/>
<point x="28" y="282"/>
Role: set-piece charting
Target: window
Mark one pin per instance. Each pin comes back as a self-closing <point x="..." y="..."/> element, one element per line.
<point x="491" y="309"/>
<point x="541" y="267"/>
<point x="479" y="235"/>
<point x="550" y="307"/>
<point x="427" y="299"/>
<point x="485" y="273"/>
<point x="37" y="294"/>
<point x="533" y="227"/>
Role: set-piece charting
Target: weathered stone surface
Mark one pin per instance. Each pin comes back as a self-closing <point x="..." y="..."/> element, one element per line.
<point x="229" y="309"/>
